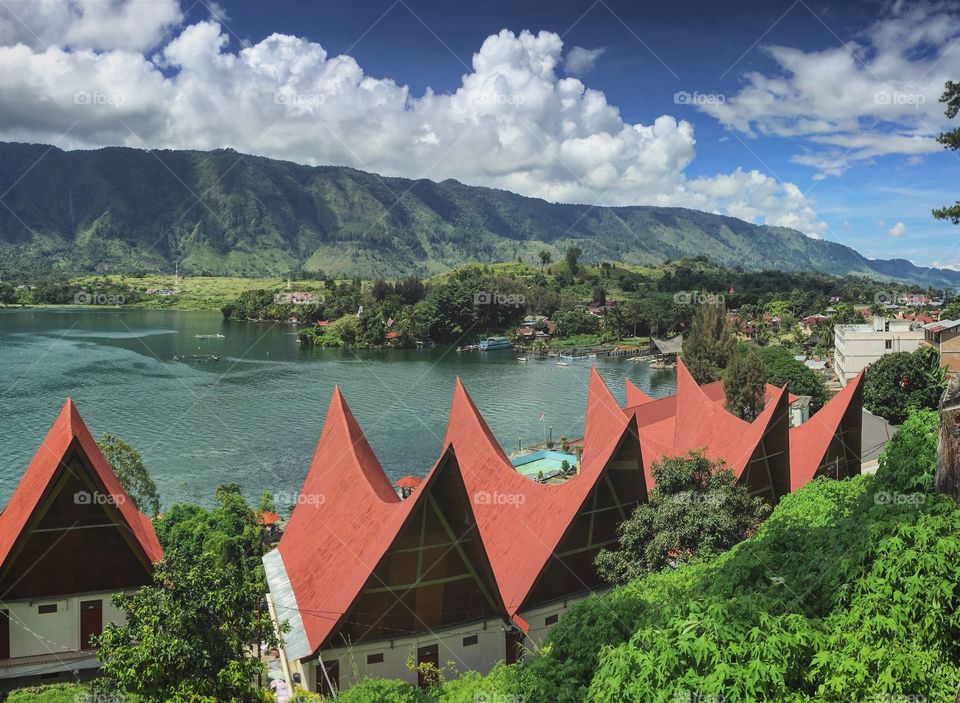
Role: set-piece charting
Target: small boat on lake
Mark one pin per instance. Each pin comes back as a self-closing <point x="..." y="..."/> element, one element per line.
<point x="521" y="358"/>
<point x="492" y="343"/>
<point x="562" y="363"/>
<point x="570" y="357"/>
<point x="209" y="336"/>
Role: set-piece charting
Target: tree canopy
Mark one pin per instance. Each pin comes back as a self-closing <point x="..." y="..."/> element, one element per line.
<point x="695" y="510"/>
<point x="898" y="383"/>
<point x="128" y="465"/>
<point x="710" y="344"/>
<point x="744" y="383"/>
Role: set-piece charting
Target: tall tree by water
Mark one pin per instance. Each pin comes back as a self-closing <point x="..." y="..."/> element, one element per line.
<point x="128" y="465"/>
<point x="710" y="345"/>
<point x="744" y="383"/>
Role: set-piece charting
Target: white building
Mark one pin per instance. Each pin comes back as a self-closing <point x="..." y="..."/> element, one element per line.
<point x="70" y="538"/>
<point x="858" y="346"/>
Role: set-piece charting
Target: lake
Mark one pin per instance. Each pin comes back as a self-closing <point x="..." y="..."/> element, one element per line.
<point x="254" y="417"/>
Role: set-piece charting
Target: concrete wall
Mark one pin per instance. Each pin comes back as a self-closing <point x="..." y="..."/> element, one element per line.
<point x="455" y="657"/>
<point x="858" y="346"/>
<point x="32" y="633"/>
<point x="950" y="350"/>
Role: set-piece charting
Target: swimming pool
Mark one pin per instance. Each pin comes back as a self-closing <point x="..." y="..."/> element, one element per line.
<point x="547" y="461"/>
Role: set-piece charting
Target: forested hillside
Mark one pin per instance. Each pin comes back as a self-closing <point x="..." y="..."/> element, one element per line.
<point x="221" y="212"/>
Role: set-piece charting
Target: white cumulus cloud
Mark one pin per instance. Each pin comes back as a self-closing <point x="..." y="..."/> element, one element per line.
<point x="876" y="95"/>
<point x="87" y="24"/>
<point x="579" y="60"/>
<point x="898" y="230"/>
<point x="512" y="123"/>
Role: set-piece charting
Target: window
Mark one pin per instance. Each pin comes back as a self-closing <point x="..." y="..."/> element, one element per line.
<point x="47" y="609"/>
<point x="551" y="619"/>
<point x="886" y="326"/>
<point x="888" y="344"/>
<point x="470" y="641"/>
<point x="375" y="658"/>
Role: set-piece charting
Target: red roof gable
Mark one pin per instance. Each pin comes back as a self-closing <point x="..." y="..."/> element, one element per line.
<point x="521" y="543"/>
<point x="69" y="431"/>
<point x="345" y="521"/>
<point x="635" y="396"/>
<point x="810" y="442"/>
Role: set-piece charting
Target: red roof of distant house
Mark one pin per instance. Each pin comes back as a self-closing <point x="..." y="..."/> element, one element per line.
<point x="268" y="518"/>
<point x="814" y="319"/>
<point x="409" y="482"/>
<point x="68" y="431"/>
<point x="392" y="335"/>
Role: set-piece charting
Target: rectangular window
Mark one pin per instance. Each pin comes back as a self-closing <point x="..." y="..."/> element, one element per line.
<point x="47" y="609"/>
<point x="470" y="641"/>
<point x="888" y="344"/>
<point x="375" y="658"/>
<point x="551" y="620"/>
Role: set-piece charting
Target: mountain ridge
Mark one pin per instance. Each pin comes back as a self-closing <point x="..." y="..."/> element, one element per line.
<point x="119" y="209"/>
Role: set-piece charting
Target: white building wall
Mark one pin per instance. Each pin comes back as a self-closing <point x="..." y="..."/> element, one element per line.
<point x="858" y="346"/>
<point x="32" y="633"/>
<point x="455" y="658"/>
<point x="399" y="655"/>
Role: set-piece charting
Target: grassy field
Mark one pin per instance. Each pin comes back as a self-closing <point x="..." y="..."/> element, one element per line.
<point x="197" y="292"/>
<point x="54" y="693"/>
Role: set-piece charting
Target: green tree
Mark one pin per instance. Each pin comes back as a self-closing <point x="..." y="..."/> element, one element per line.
<point x="710" y="344"/>
<point x="696" y="509"/>
<point x="898" y="383"/>
<point x="187" y="635"/>
<point x="545" y="257"/>
<point x="573" y="258"/>
<point x="950" y="140"/>
<point x="780" y="368"/>
<point x="370" y="328"/>
<point x="744" y="383"/>
<point x="128" y="465"/>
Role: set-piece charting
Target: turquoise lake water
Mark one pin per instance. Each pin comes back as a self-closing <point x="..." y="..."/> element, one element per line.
<point x="254" y="416"/>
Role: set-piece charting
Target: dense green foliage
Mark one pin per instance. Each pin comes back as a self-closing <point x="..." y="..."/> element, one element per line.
<point x="847" y="592"/>
<point x="744" y="383"/>
<point x="709" y="346"/>
<point x="950" y="140"/>
<point x="132" y="210"/>
<point x="779" y="368"/>
<point x="186" y="635"/>
<point x="900" y="382"/>
<point x="696" y="510"/>
<point x="128" y="466"/>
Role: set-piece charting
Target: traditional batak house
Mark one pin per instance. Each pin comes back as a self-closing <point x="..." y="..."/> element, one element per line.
<point x="70" y="538"/>
<point x="479" y="562"/>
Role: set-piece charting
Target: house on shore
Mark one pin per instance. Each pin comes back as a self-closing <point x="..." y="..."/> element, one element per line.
<point x="70" y="538"/>
<point x="479" y="562"/>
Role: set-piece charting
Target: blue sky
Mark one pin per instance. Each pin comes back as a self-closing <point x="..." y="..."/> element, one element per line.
<point x="795" y="113"/>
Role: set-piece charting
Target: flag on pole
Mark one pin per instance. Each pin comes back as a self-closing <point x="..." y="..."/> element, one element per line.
<point x="541" y="415"/>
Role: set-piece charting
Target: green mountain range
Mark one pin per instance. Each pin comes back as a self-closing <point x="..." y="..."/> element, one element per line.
<point x="222" y="212"/>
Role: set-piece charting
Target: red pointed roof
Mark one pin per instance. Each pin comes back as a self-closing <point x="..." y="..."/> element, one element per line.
<point x="346" y="519"/>
<point x="522" y="521"/>
<point x="346" y="514"/>
<point x="810" y="441"/>
<point x="69" y="431"/>
<point x="695" y="419"/>
<point x="635" y="396"/>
